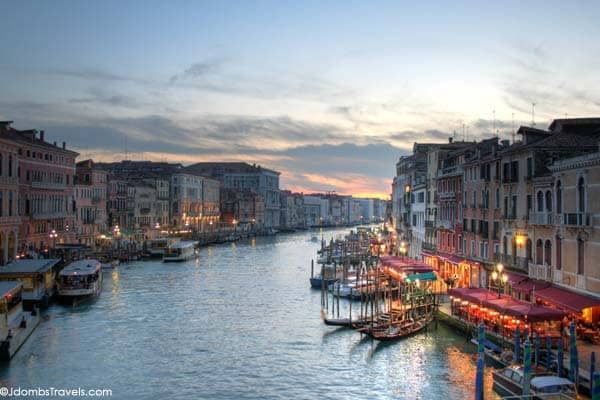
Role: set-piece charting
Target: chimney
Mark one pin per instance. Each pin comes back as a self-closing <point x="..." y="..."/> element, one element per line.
<point x="450" y="139"/>
<point x="42" y="136"/>
<point x="64" y="145"/>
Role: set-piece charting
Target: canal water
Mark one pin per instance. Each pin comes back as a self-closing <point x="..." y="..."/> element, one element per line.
<point x="239" y="323"/>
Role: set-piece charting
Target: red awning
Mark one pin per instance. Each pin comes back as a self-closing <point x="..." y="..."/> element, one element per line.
<point x="508" y="305"/>
<point x="529" y="285"/>
<point x="566" y="299"/>
<point x="452" y="259"/>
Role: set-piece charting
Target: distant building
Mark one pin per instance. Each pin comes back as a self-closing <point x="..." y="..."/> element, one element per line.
<point x="10" y="221"/>
<point x="90" y="202"/>
<point x="243" y="176"/>
<point x="292" y="210"/>
<point x="45" y="200"/>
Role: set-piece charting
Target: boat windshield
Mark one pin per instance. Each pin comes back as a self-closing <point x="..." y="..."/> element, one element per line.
<point x="556" y="389"/>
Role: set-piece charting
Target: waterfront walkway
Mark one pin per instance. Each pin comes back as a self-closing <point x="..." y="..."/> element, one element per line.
<point x="584" y="348"/>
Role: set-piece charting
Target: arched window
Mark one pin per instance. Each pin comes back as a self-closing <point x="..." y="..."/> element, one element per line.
<point x="581" y="195"/>
<point x="539" y="252"/>
<point x="1" y="159"/>
<point x="10" y="166"/>
<point x="548" y="252"/>
<point x="580" y="256"/>
<point x="10" y="203"/>
<point x="549" y="201"/>
<point x="540" y="201"/>
<point x="529" y="250"/>
<point x="558" y="252"/>
<point x="559" y="197"/>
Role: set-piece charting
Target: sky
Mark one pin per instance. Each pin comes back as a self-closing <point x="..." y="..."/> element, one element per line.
<point x="329" y="93"/>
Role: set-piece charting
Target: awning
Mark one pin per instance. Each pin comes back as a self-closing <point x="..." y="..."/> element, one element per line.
<point x="566" y="299"/>
<point x="508" y="305"/>
<point x="453" y="259"/>
<point x="529" y="285"/>
<point x="426" y="276"/>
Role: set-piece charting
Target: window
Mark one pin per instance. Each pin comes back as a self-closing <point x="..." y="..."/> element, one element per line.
<point x="580" y="256"/>
<point x="540" y="201"/>
<point x="529" y="251"/>
<point x="10" y="203"/>
<point x="529" y="205"/>
<point x="505" y="172"/>
<point x="505" y="207"/>
<point x="529" y="167"/>
<point x="581" y="195"/>
<point x="1" y="204"/>
<point x="559" y="197"/>
<point x="548" y="201"/>
<point x="497" y="198"/>
<point x="514" y="207"/>
<point x="539" y="248"/>
<point x="10" y="166"/>
<point x="558" y="252"/>
<point x="514" y="171"/>
<point x="548" y="252"/>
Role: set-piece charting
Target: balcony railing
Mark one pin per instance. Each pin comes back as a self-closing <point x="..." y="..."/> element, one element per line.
<point x="541" y="272"/>
<point x="541" y="218"/>
<point x="575" y="219"/>
<point x="447" y="195"/>
<point x="581" y="282"/>
<point x="47" y="215"/>
<point x="48" y="185"/>
<point x="428" y="246"/>
<point x="446" y="224"/>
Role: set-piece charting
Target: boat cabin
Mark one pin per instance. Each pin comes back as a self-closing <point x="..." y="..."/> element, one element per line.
<point x="38" y="278"/>
<point x="11" y="305"/>
<point x="158" y="246"/>
<point x="15" y="324"/>
<point x="80" y="278"/>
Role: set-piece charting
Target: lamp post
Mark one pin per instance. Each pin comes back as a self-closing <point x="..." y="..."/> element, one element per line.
<point x="499" y="277"/>
<point x="402" y="249"/>
<point x="53" y="235"/>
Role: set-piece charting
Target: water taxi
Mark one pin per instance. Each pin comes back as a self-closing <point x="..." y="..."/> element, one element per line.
<point x="509" y="382"/>
<point x="81" y="278"/>
<point x="181" y="251"/>
<point x="15" y="324"/>
<point x="158" y="246"/>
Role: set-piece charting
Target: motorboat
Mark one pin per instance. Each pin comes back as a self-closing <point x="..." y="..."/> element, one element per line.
<point x="181" y="251"/>
<point x="509" y="381"/>
<point x="81" y="278"/>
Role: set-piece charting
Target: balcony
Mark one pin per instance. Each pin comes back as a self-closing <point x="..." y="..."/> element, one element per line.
<point x="8" y="180"/>
<point x="429" y="224"/>
<point x="445" y="224"/>
<point x="575" y="219"/>
<point x="541" y="218"/>
<point x="581" y="282"/>
<point x="541" y="272"/>
<point x="428" y="246"/>
<point x="446" y="195"/>
<point x="48" y="185"/>
<point x="47" y="215"/>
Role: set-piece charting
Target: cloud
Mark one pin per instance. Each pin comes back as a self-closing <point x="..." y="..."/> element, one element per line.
<point x="104" y="97"/>
<point x="199" y="70"/>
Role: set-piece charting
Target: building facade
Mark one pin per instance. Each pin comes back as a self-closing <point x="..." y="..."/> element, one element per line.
<point x="90" y="203"/>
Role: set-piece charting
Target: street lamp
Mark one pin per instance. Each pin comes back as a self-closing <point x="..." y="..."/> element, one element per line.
<point x="53" y="235"/>
<point x="499" y="277"/>
<point x="403" y="249"/>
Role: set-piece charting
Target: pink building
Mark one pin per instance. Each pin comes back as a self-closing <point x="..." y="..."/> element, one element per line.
<point x="90" y="200"/>
<point x="45" y="200"/>
<point x="9" y="195"/>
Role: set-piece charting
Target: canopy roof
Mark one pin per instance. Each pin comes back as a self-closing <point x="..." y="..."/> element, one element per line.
<point x="424" y="276"/>
<point x="508" y="305"/>
<point x="566" y="299"/>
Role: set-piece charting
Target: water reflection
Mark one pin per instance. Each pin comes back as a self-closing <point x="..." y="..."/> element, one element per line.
<point x="239" y="322"/>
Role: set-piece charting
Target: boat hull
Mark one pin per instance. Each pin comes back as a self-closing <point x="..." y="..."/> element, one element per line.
<point x="318" y="282"/>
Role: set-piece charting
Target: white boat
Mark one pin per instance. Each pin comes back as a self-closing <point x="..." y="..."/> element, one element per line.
<point x="508" y="381"/>
<point x="181" y="251"/>
<point x="158" y="246"/>
<point x="81" y="278"/>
